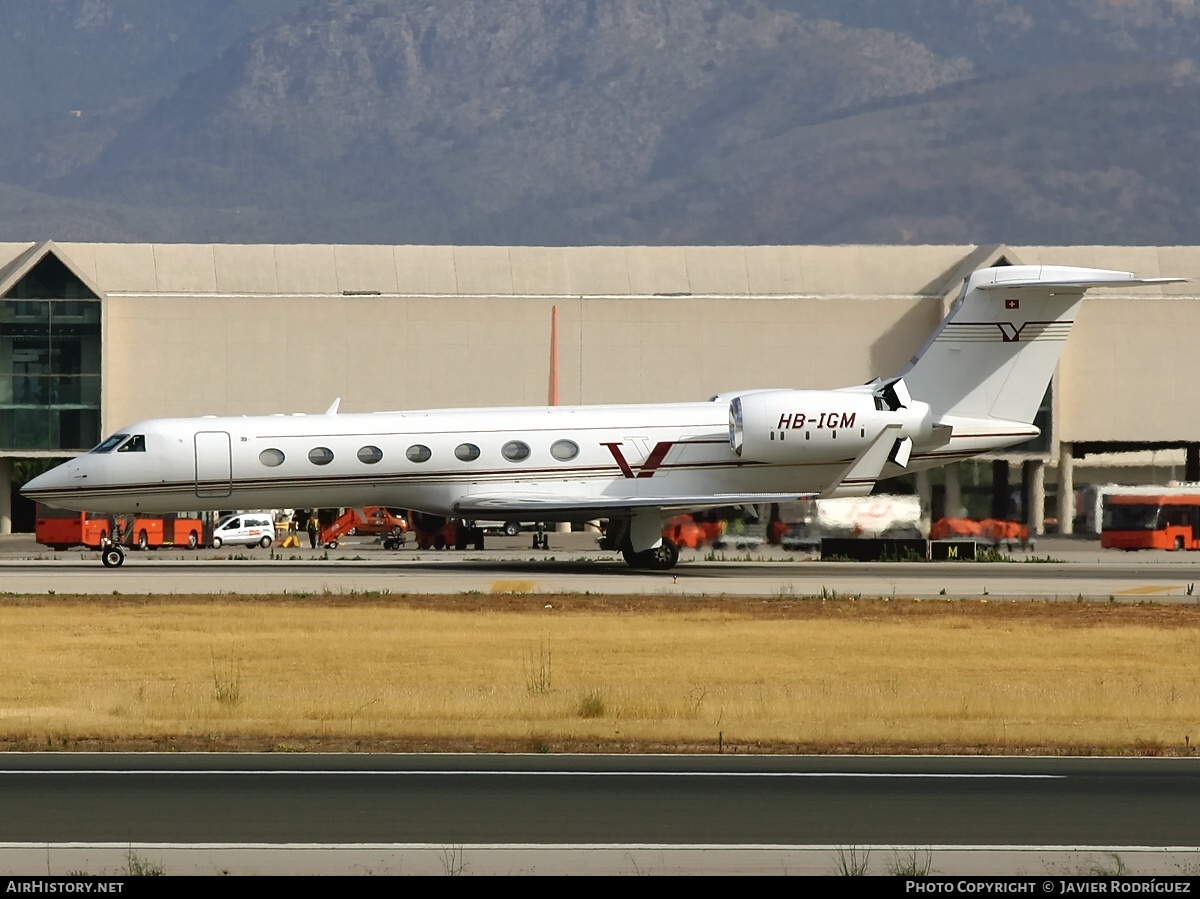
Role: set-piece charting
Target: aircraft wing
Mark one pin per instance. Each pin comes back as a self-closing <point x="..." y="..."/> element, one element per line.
<point x="536" y="506"/>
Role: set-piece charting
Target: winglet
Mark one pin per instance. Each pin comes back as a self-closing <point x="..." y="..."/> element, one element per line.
<point x="332" y="410"/>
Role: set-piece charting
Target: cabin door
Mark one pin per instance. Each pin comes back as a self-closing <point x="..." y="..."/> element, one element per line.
<point x="214" y="464"/>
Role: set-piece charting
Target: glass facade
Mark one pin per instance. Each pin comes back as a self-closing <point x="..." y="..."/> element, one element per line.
<point x="49" y="362"/>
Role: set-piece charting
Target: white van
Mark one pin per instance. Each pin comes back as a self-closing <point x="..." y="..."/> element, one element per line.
<point x="248" y="528"/>
<point x="507" y="528"/>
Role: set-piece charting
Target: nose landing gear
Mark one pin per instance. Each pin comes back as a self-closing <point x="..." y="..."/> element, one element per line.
<point x="112" y="555"/>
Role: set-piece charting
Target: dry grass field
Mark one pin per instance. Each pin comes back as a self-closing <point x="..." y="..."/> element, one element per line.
<point x="586" y="673"/>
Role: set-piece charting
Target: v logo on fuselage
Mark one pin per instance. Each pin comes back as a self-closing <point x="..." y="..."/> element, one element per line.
<point x="647" y="469"/>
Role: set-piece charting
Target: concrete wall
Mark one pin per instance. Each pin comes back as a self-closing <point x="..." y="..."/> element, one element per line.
<point x="274" y="354"/>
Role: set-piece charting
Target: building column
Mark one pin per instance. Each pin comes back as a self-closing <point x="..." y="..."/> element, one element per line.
<point x="6" y="468"/>
<point x="925" y="497"/>
<point x="954" y="506"/>
<point x="1001" y="506"/>
<point x="1033" y="488"/>
<point x="1066" y="489"/>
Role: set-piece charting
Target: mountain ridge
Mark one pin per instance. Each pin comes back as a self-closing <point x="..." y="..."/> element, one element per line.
<point x="644" y="121"/>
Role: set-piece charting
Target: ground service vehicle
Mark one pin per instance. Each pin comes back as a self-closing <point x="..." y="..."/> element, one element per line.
<point x="507" y="528"/>
<point x="692" y="531"/>
<point x="153" y="531"/>
<point x="369" y="520"/>
<point x="1151" y="522"/>
<point x="435" y="532"/>
<point x="380" y="521"/>
<point x="60" y="529"/>
<point x="247" y="529"/>
<point x="988" y="531"/>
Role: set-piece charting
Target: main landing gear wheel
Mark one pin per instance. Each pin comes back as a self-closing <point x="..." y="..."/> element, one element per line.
<point x="112" y="556"/>
<point x="661" y="558"/>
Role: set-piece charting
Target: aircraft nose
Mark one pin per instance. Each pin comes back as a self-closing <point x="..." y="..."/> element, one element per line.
<point x="51" y="484"/>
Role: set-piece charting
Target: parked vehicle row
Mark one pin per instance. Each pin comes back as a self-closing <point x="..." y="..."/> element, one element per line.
<point x="61" y="529"/>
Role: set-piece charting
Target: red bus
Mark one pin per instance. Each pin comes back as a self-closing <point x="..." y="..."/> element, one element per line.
<point x="60" y="529"/>
<point x="1151" y="522"/>
<point x="171" y="529"/>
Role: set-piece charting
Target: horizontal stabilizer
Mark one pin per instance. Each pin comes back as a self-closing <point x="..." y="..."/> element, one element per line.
<point x="1078" y="283"/>
<point x="1050" y="277"/>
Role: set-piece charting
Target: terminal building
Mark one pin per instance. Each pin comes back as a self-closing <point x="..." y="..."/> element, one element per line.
<point x="94" y="336"/>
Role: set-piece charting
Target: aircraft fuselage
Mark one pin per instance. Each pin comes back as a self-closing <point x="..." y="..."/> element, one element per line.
<point x="433" y="461"/>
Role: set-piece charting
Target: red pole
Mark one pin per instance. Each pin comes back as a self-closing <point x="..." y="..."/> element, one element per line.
<point x="554" y="356"/>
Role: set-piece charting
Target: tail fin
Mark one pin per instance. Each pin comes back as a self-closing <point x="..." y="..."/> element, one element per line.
<point x="993" y="356"/>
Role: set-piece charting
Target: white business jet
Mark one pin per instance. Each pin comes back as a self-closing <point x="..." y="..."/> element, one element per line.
<point x="974" y="387"/>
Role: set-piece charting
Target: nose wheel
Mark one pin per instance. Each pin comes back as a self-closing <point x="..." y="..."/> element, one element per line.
<point x="112" y="556"/>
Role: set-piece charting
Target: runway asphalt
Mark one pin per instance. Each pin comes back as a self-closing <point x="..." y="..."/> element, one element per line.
<point x="596" y="814"/>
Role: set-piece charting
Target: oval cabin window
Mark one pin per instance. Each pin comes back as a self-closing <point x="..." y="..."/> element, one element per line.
<point x="418" y="453"/>
<point x="271" y="457"/>
<point x="515" y="451"/>
<point x="369" y="455"/>
<point x="466" y="452"/>
<point x="320" y="455"/>
<point x="564" y="450"/>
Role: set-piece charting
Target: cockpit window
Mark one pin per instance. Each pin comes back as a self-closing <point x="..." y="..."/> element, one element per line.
<point x="111" y="443"/>
<point x="135" y="444"/>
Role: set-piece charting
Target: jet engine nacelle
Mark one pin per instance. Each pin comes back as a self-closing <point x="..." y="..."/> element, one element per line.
<point x="785" y="425"/>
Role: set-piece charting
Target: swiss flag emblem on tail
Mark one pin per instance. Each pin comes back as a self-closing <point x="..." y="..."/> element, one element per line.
<point x="1012" y="304"/>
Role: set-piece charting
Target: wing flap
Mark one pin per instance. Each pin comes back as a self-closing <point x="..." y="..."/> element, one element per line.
<point x="549" y="506"/>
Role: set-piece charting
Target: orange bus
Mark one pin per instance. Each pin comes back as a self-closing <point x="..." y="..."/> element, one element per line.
<point x="171" y="529"/>
<point x="60" y="529"/>
<point x="1131" y="521"/>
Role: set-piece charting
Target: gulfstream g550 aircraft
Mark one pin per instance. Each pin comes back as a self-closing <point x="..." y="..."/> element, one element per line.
<point x="974" y="387"/>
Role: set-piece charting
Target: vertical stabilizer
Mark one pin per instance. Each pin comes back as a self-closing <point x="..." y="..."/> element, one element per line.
<point x="993" y="356"/>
